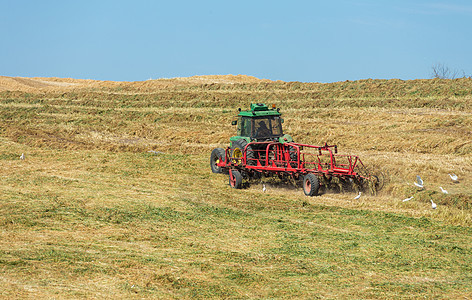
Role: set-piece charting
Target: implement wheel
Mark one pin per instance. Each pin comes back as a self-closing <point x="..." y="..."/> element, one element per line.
<point x="310" y="185"/>
<point x="235" y="179"/>
<point x="216" y="156"/>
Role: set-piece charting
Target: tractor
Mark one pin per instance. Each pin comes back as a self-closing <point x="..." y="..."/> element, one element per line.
<point x="261" y="149"/>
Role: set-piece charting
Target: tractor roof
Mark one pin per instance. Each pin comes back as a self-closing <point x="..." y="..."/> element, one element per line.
<point x="259" y="110"/>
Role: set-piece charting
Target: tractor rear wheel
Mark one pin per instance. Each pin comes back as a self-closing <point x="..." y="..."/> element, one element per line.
<point x="293" y="157"/>
<point x="237" y="179"/>
<point x="237" y="151"/>
<point x="237" y="148"/>
<point x="310" y="184"/>
<point x="250" y="156"/>
<point x="216" y="156"/>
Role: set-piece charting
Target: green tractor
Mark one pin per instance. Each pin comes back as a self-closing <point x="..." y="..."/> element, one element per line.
<point x="261" y="149"/>
<point x="258" y="124"/>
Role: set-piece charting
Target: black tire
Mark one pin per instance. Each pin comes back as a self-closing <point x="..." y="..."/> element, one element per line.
<point x="238" y="179"/>
<point x="250" y="156"/>
<point x="216" y="155"/>
<point x="239" y="145"/>
<point x="293" y="157"/>
<point x="310" y="185"/>
<point x="237" y="148"/>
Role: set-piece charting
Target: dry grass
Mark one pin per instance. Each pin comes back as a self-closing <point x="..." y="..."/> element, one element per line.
<point x="90" y="213"/>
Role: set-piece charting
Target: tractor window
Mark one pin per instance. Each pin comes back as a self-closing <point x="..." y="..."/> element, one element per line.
<point x="245" y="127"/>
<point x="267" y="127"/>
<point x="238" y="130"/>
<point x="262" y="128"/>
<point x="276" y="126"/>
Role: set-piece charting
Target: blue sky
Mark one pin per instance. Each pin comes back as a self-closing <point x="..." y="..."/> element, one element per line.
<point x="308" y="41"/>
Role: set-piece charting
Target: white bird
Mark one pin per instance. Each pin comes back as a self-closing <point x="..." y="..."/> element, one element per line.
<point x="407" y="199"/>
<point x="433" y="205"/>
<point x="358" y="196"/>
<point x="155" y="152"/>
<point x="454" y="177"/>
<point x="22" y="156"/>
<point x="419" y="182"/>
<point x="443" y="190"/>
<point x="264" y="188"/>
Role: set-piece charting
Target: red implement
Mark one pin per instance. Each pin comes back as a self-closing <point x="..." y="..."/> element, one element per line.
<point x="295" y="160"/>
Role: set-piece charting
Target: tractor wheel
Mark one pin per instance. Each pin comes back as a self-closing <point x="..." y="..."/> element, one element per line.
<point x="250" y="156"/>
<point x="293" y="157"/>
<point x="237" y="179"/>
<point x="216" y="155"/>
<point x="237" y="148"/>
<point x="310" y="185"/>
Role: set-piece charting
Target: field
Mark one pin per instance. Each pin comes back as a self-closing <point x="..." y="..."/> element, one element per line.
<point x="115" y="198"/>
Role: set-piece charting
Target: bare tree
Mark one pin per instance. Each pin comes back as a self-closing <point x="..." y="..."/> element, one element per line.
<point x="442" y="71"/>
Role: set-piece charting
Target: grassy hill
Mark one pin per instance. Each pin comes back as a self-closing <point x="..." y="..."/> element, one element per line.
<point x="92" y="213"/>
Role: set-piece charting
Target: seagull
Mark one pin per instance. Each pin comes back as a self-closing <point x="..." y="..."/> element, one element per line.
<point x="419" y="182"/>
<point x="264" y="188"/>
<point x="407" y="199"/>
<point x="358" y="196"/>
<point x="443" y="190"/>
<point x="454" y="177"/>
<point x="433" y="205"/>
<point x="155" y="152"/>
<point x="22" y="156"/>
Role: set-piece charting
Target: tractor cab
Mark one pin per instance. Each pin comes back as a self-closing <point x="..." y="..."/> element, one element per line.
<point x="260" y="124"/>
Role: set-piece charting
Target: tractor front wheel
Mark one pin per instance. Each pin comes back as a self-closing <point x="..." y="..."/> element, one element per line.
<point x="235" y="179"/>
<point x="310" y="185"/>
